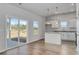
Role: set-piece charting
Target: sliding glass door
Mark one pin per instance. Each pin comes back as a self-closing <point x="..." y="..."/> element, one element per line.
<point x="35" y="27"/>
<point x="12" y="32"/>
<point x="16" y="32"/>
<point x="22" y="31"/>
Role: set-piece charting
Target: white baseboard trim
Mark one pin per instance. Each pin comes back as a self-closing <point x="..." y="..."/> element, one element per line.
<point x="17" y="46"/>
<point x="12" y="48"/>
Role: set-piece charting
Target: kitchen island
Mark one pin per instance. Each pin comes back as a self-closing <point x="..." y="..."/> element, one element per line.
<point x="53" y="38"/>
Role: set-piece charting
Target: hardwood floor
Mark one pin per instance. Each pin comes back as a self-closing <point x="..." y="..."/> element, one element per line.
<point x="42" y="48"/>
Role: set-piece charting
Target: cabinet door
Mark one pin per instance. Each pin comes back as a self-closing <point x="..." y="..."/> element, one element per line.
<point x="68" y="36"/>
<point x="78" y="40"/>
<point x="64" y="36"/>
<point x="71" y="36"/>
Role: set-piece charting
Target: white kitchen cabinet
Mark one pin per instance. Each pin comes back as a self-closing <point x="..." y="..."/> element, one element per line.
<point x="68" y="36"/>
<point x="78" y="40"/>
<point x="53" y="38"/>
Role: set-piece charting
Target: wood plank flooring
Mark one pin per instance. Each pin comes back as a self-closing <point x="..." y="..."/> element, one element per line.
<point x="42" y="48"/>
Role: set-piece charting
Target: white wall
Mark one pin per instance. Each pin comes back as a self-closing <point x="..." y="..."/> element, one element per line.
<point x="2" y="34"/>
<point x="12" y="11"/>
<point x="77" y="14"/>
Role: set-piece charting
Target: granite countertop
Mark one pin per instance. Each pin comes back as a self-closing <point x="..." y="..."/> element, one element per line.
<point x="63" y="30"/>
<point x="53" y="32"/>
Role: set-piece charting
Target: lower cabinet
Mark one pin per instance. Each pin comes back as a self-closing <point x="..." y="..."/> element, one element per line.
<point x="68" y="36"/>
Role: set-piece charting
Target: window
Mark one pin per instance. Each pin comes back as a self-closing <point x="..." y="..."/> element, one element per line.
<point x="64" y="24"/>
<point x="23" y="31"/>
<point x="35" y="27"/>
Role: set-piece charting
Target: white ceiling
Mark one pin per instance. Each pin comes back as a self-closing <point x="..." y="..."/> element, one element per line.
<point x="42" y="8"/>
